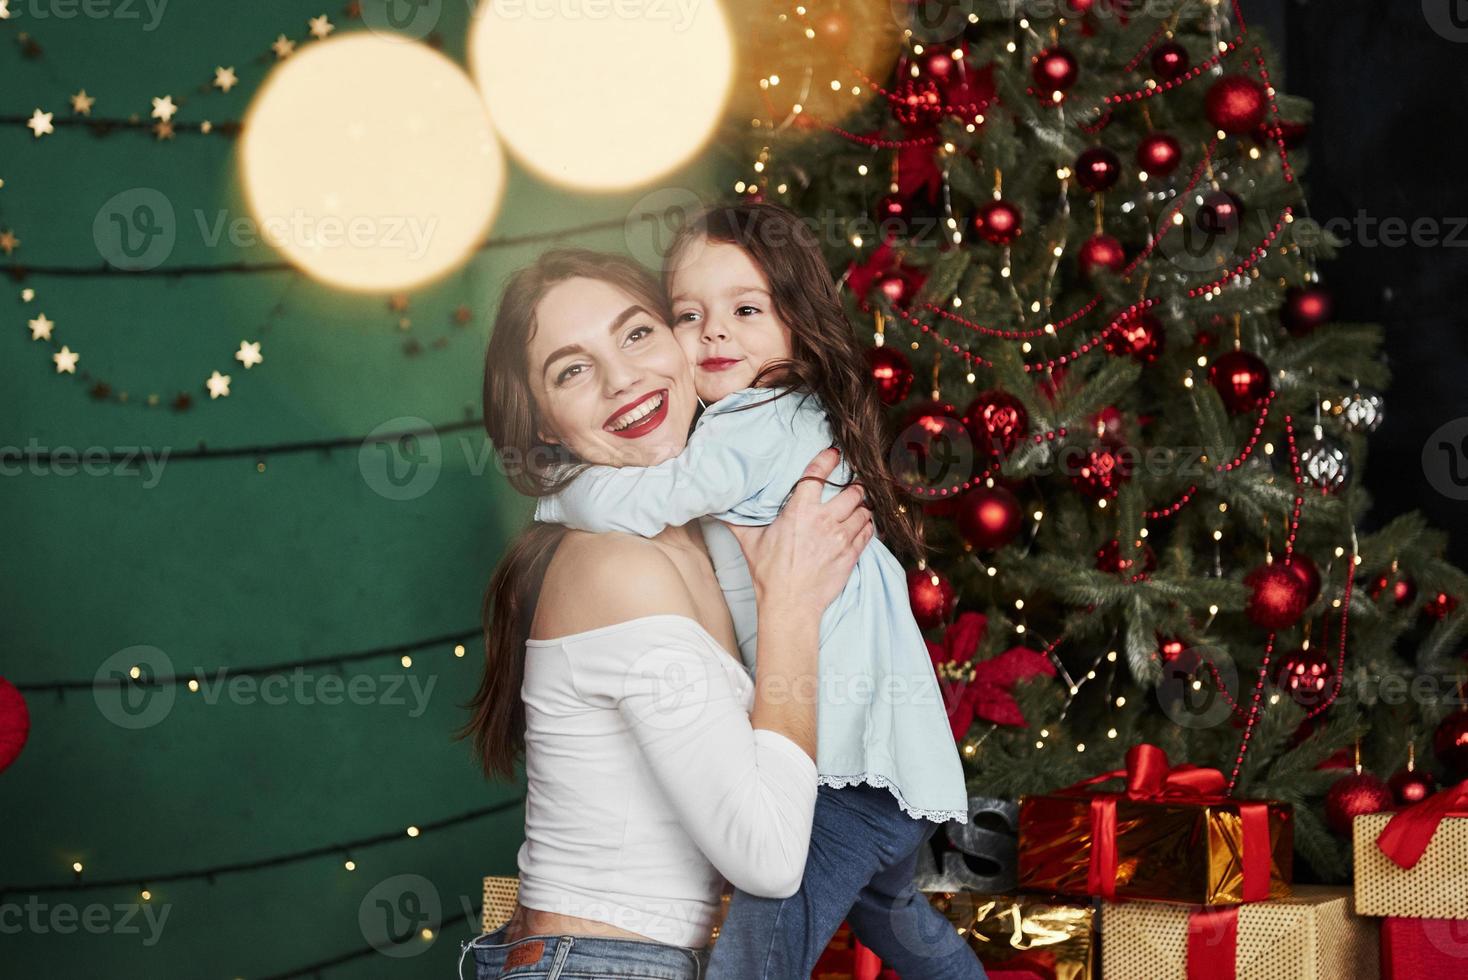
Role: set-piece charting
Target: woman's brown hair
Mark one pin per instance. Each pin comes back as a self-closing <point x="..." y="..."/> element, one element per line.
<point x="828" y="361"/>
<point x="535" y="468"/>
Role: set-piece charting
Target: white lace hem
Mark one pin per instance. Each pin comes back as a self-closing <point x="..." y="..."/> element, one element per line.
<point x="882" y="782"/>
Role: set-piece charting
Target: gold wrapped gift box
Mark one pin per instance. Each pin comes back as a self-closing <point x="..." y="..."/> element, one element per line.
<point x="1314" y="935"/>
<point x="1054" y="937"/>
<point x="1436" y="888"/>
<point x="1165" y="851"/>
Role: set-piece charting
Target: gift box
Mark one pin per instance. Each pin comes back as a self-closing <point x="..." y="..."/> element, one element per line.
<point x="1024" y="936"/>
<point x="1415" y="948"/>
<point x="500" y="895"/>
<point x="1312" y="935"/>
<point x="1170" y="835"/>
<point x="1415" y="863"/>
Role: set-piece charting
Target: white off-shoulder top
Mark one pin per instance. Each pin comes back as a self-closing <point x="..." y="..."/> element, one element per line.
<point x="647" y="784"/>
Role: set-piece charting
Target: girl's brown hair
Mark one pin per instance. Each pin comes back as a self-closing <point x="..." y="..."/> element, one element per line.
<point x="497" y="725"/>
<point x="828" y="360"/>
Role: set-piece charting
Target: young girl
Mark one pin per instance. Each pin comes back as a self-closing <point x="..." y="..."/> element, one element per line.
<point x="755" y="311"/>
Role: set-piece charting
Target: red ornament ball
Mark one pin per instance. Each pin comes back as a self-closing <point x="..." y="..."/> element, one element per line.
<point x="1354" y="796"/>
<point x="1159" y="154"/>
<point x="1307" y="676"/>
<point x="1139" y="336"/>
<point x="1235" y="104"/>
<point x="917" y="102"/>
<point x="989" y="517"/>
<point x="1109" y="559"/>
<point x="1277" y="597"/>
<point x="1178" y="654"/>
<point x="931" y="444"/>
<point x="1308" y="572"/>
<point x="1305" y="308"/>
<point x="1219" y="213"/>
<point x="1411" y="786"/>
<point x="1170" y="60"/>
<point x="834" y="29"/>
<point x="1100" y="251"/>
<point x="997" y="421"/>
<point x="997" y="222"/>
<point x="1450" y="745"/>
<point x="1241" y="378"/>
<point x="891" y="372"/>
<point x="1097" y="169"/>
<point x="1107" y="422"/>
<point x="1440" y="605"/>
<point x="932" y="597"/>
<point x="1106" y="466"/>
<point x="898" y="288"/>
<point x="1401" y="587"/>
<point x="1054" y="70"/>
<point x="15" y="723"/>
<point x="939" y="65"/>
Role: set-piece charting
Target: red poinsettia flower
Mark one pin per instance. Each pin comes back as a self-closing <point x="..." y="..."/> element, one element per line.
<point x="984" y="690"/>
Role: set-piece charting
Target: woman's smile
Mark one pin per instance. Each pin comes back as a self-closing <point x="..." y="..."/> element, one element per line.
<point x="638" y="418"/>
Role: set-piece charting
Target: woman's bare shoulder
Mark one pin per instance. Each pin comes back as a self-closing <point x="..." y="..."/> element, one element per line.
<point x="598" y="580"/>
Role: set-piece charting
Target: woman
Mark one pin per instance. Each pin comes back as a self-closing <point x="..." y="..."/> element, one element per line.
<point x="656" y="767"/>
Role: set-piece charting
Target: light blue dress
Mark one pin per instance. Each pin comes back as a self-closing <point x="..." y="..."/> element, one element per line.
<point x="881" y="715"/>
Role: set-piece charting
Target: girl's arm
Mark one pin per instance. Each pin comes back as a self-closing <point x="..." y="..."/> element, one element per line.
<point x="728" y="459"/>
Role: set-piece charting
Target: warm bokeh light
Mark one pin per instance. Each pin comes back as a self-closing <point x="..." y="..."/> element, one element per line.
<point x="371" y="163"/>
<point x="813" y="57"/>
<point x="603" y="96"/>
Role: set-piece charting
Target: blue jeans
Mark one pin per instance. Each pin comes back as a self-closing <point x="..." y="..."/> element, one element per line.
<point x="863" y="852"/>
<point x="581" y="957"/>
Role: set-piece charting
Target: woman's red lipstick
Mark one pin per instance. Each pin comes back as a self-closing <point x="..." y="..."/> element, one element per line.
<point x="643" y="425"/>
<point x="718" y="363"/>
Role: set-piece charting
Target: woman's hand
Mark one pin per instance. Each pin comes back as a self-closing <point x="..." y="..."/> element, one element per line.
<point x="805" y="557"/>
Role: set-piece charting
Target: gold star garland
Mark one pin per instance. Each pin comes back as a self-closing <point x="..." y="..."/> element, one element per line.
<point x="160" y="122"/>
<point x="65" y="361"/>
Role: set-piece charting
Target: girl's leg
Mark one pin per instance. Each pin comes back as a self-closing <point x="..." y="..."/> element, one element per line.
<point x="777" y="939"/>
<point x="902" y="927"/>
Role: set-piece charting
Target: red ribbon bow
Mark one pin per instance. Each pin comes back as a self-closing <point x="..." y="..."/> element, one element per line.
<point x="1406" y="835"/>
<point x="1149" y="776"/>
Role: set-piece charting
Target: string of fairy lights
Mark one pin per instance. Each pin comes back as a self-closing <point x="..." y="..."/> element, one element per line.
<point x="140" y="676"/>
<point x="346" y="851"/>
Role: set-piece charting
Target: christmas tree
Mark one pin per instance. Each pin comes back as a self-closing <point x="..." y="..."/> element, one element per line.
<point x="1078" y="237"/>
